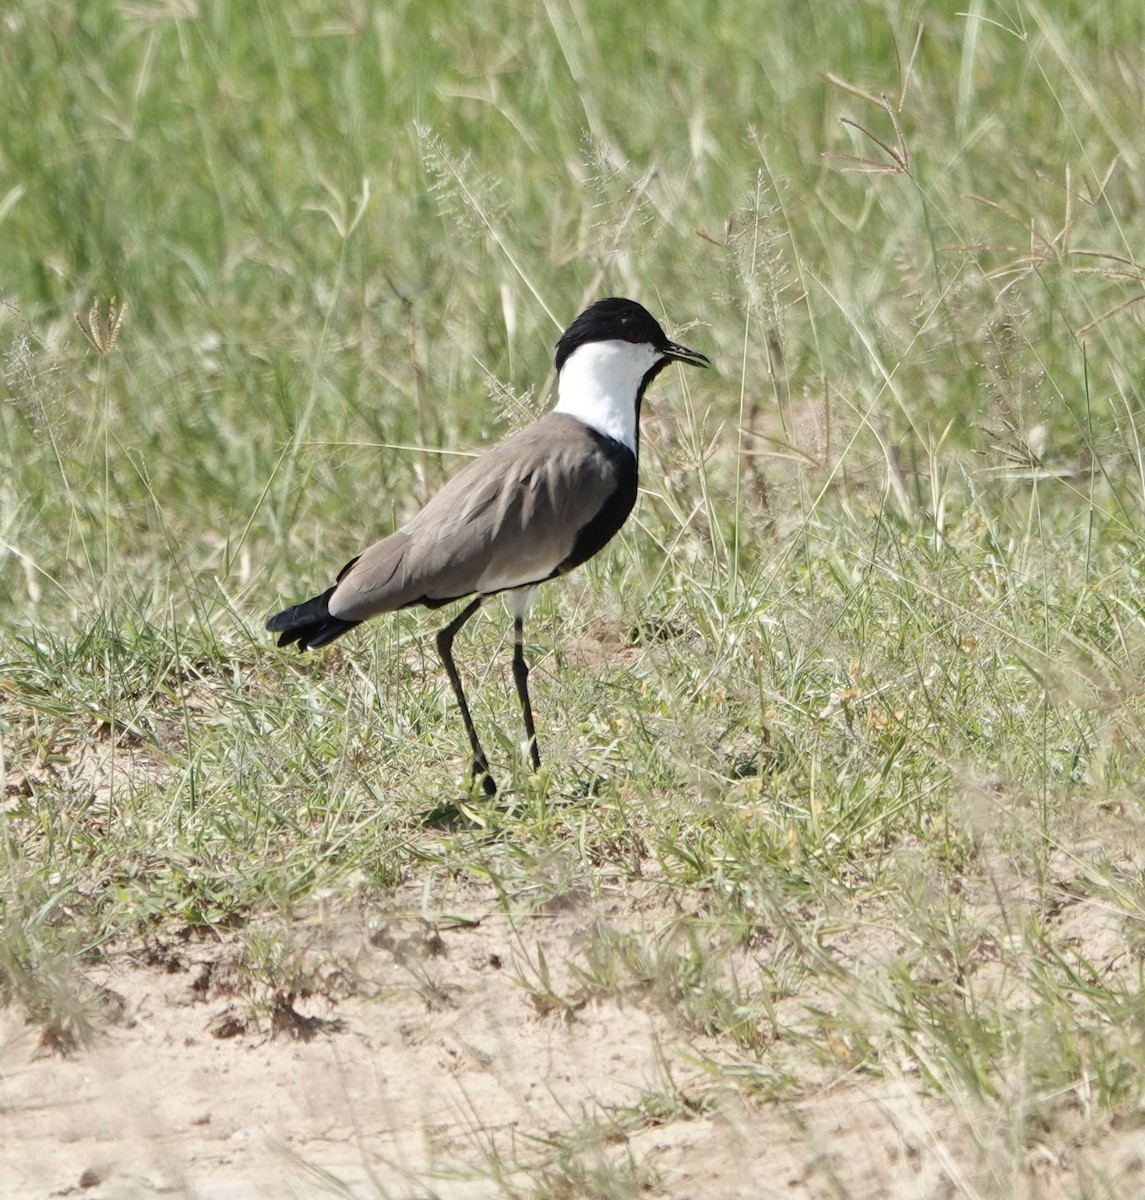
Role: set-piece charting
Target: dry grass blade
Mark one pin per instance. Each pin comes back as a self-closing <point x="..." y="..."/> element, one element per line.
<point x="898" y="154"/>
<point x="102" y="330"/>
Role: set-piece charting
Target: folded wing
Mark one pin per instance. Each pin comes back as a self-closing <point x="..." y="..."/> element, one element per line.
<point x="534" y="506"/>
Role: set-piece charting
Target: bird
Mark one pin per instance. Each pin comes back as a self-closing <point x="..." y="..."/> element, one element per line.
<point x="527" y="510"/>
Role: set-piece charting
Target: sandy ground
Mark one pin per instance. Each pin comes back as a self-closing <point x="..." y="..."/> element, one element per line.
<point x="427" y="1062"/>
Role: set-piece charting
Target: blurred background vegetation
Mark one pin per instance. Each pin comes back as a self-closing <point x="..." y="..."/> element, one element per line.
<point x="906" y="234"/>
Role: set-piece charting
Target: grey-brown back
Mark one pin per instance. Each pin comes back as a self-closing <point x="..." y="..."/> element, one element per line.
<point x="531" y="507"/>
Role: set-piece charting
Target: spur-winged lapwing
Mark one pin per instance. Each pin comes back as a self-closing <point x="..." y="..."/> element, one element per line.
<point x="528" y="509"/>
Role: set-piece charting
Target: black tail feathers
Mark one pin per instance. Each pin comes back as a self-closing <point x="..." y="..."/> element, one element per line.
<point x="309" y="623"/>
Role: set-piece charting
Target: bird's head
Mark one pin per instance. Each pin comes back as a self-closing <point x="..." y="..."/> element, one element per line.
<point x="629" y="330"/>
<point x="605" y="361"/>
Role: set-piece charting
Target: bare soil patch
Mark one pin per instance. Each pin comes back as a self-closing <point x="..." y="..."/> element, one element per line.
<point x="417" y="1054"/>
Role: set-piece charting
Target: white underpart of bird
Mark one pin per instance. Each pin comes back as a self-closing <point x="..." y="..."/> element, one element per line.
<point x="599" y="383"/>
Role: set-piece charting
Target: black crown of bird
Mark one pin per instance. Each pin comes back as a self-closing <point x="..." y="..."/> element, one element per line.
<point x="528" y="509"/>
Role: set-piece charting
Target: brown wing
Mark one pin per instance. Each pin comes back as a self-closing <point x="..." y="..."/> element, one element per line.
<point x="542" y="500"/>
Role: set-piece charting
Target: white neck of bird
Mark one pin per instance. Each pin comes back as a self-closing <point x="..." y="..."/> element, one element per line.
<point x="598" y="385"/>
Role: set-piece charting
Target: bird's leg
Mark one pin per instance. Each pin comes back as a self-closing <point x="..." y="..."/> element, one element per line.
<point x="445" y="650"/>
<point x="521" y="679"/>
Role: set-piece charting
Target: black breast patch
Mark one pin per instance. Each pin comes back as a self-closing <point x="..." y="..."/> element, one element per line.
<point x="617" y="504"/>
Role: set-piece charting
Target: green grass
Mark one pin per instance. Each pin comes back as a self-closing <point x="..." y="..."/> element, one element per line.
<point x="856" y="693"/>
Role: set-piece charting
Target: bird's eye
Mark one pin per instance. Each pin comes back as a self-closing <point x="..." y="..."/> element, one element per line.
<point x="633" y="335"/>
